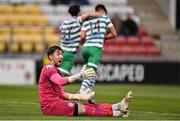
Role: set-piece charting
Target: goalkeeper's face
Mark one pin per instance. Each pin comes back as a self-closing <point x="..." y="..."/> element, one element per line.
<point x="57" y="58"/>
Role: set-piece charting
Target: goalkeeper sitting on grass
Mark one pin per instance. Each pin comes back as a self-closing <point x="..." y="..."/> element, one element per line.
<point x="54" y="101"/>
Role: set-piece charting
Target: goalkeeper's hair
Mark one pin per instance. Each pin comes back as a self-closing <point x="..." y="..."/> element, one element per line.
<point x="74" y="9"/>
<point x="52" y="49"/>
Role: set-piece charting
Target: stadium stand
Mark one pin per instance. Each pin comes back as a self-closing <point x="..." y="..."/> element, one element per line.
<point x="28" y="26"/>
<point x="24" y="27"/>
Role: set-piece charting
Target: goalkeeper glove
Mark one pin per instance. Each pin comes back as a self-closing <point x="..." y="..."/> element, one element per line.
<point x="86" y="95"/>
<point x="83" y="74"/>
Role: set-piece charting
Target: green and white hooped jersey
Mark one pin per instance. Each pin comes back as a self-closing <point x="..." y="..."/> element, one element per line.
<point x="70" y="34"/>
<point x="96" y="29"/>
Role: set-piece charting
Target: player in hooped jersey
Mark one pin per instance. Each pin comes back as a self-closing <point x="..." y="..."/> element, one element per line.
<point x="71" y="36"/>
<point x="95" y="31"/>
<point x="54" y="101"/>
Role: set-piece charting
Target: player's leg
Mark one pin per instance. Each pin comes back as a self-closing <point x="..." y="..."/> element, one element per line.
<point x="117" y="109"/>
<point x="60" y="108"/>
<point x="98" y="110"/>
<point x="94" y="55"/>
<point x="124" y="103"/>
<point x="67" y="63"/>
<point x="85" y="55"/>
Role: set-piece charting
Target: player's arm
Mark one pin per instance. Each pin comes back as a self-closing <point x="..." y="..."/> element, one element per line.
<point x="86" y="15"/>
<point x="111" y="33"/>
<point x="83" y="31"/>
<point x="86" y="95"/>
<point x="83" y="35"/>
<point x="83" y="74"/>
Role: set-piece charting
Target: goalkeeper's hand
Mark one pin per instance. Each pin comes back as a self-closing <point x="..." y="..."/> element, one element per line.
<point x="87" y="73"/>
<point x="83" y="74"/>
<point x="86" y="95"/>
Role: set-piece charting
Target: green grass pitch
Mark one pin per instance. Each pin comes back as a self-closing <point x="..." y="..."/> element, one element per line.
<point x="153" y="102"/>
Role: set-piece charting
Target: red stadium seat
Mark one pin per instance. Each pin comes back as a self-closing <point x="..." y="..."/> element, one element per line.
<point x="126" y="50"/>
<point x="121" y="40"/>
<point x="113" y="49"/>
<point x="109" y="42"/>
<point x="133" y="40"/>
<point x="153" y="51"/>
<point x="147" y="41"/>
<point x="140" y="50"/>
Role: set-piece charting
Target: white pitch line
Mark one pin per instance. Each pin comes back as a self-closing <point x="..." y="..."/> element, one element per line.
<point x="29" y="103"/>
<point x="149" y="112"/>
<point x="18" y="102"/>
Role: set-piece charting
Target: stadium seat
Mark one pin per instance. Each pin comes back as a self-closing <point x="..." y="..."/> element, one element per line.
<point x="121" y="40"/>
<point x="14" y="19"/>
<point x="27" y="9"/>
<point x="147" y="41"/>
<point x="35" y="38"/>
<point x="20" y="38"/>
<point x="140" y="50"/>
<point x="39" y="47"/>
<point x="2" y="46"/>
<point x="34" y="20"/>
<point x="19" y="30"/>
<point x="27" y="47"/>
<point x="34" y="30"/>
<point x="40" y="20"/>
<point x="133" y="40"/>
<point x="28" y="19"/>
<point x="15" y="47"/>
<point x="6" y="9"/>
<point x="4" y="37"/>
<point x="126" y="50"/>
<point x="153" y="51"/>
<point x="110" y="50"/>
<point x="34" y="9"/>
<point x="4" y="40"/>
<point x="49" y="30"/>
<point x="52" y="40"/>
<point x="109" y="42"/>
<point x="118" y="50"/>
<point x="21" y="9"/>
<point x="3" y="20"/>
<point x="4" y="30"/>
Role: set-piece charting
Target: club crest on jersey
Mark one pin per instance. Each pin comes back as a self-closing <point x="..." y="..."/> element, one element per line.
<point x="70" y="104"/>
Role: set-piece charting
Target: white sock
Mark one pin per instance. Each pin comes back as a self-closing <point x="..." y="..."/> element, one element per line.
<point x="115" y="107"/>
<point x="119" y="113"/>
<point x="116" y="113"/>
<point x="84" y="85"/>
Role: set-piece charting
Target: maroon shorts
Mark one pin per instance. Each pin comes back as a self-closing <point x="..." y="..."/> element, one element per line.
<point x="60" y="108"/>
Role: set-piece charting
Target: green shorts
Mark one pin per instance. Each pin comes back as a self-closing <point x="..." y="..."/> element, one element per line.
<point x="92" y="56"/>
<point x="67" y="62"/>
